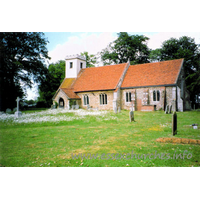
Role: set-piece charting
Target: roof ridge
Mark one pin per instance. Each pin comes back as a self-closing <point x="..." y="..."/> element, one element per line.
<point x="102" y="66"/>
<point x="159" y="62"/>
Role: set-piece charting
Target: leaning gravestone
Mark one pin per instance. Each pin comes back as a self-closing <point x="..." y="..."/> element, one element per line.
<point x="174" y="123"/>
<point x="167" y="109"/>
<point x="170" y="109"/>
<point x="131" y="116"/>
<point x="119" y="109"/>
<point x="18" y="113"/>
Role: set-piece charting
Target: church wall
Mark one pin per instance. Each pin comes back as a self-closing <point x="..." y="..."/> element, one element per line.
<point x="144" y="99"/>
<point x="94" y="100"/>
<point x="171" y="97"/>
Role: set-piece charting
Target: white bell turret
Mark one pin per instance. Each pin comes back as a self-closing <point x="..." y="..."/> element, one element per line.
<point x="73" y="65"/>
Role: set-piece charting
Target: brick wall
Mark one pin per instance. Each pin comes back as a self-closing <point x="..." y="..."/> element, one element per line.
<point x="139" y="95"/>
<point x="147" y="108"/>
<point x="94" y="100"/>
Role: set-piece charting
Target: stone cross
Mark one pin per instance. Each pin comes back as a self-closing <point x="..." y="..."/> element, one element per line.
<point x="17" y="100"/>
<point x="18" y="113"/>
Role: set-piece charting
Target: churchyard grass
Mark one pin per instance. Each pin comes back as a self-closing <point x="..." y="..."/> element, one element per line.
<point x="49" y="138"/>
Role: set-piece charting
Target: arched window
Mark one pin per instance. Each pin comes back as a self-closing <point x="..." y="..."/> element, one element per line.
<point x="128" y="96"/>
<point x="86" y="99"/>
<point x="156" y="95"/>
<point x="103" y="99"/>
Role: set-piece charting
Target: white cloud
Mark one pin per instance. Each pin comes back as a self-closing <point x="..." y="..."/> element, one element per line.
<point x="33" y="92"/>
<point x="92" y="43"/>
<point x="156" y="40"/>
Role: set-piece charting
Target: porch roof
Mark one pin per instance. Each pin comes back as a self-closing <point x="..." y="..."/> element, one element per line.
<point x="70" y="93"/>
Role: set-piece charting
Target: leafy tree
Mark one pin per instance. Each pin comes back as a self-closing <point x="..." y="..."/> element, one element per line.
<point x="49" y="85"/>
<point x="155" y="55"/>
<point x="126" y="47"/>
<point x="22" y="58"/>
<point x="29" y="102"/>
<point x="91" y="59"/>
<point x="184" y="47"/>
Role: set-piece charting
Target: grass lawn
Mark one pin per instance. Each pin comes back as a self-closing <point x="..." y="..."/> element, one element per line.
<point x="44" y="141"/>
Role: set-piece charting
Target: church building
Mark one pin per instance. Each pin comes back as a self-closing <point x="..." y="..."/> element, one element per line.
<point x="143" y="87"/>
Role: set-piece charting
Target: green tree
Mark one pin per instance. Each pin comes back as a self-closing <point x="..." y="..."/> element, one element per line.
<point x="29" y="102"/>
<point x="126" y="47"/>
<point x="22" y="57"/>
<point x="155" y="55"/>
<point x="52" y="81"/>
<point x="91" y="59"/>
<point x="185" y="47"/>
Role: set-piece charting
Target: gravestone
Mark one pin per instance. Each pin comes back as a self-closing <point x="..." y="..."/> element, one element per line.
<point x="170" y="109"/>
<point x="14" y="109"/>
<point x="174" y="123"/>
<point x="18" y="113"/>
<point x="167" y="109"/>
<point x="119" y="109"/>
<point x="131" y="116"/>
<point x="115" y="109"/>
<point x="8" y="110"/>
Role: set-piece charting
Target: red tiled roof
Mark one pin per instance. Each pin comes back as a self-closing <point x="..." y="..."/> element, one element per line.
<point x="70" y="93"/>
<point x="99" y="78"/>
<point x="160" y="73"/>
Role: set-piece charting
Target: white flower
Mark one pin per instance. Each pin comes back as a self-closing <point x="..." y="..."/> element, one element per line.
<point x="55" y="115"/>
